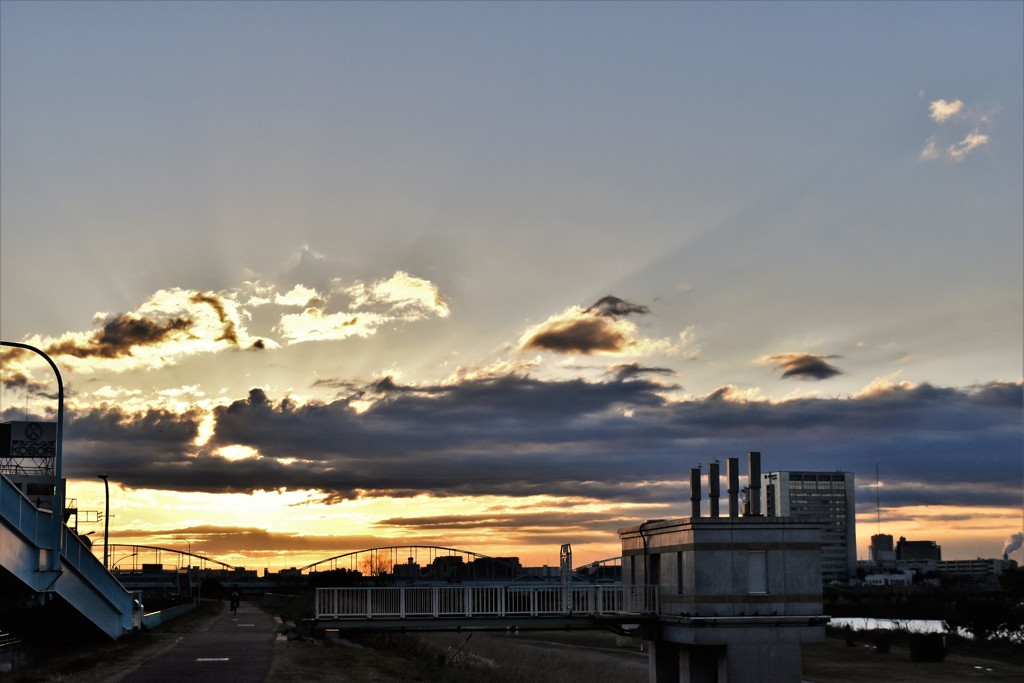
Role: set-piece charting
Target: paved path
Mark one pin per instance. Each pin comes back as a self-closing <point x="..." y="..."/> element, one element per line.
<point x="231" y="647"/>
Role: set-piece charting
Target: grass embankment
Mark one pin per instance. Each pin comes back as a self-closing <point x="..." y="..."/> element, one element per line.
<point x="833" y="661"/>
<point x="494" y="658"/>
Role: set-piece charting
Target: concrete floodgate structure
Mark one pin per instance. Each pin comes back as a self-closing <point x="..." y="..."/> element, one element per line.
<point x="738" y="595"/>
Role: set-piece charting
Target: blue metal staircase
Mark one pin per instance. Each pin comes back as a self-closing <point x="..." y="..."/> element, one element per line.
<point x="49" y="561"/>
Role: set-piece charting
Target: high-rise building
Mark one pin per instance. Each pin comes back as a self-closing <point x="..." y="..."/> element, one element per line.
<point x="826" y="498"/>
<point x="918" y="551"/>
<point x="881" y="551"/>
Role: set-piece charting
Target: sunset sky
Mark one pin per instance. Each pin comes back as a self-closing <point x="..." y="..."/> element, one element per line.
<point x="328" y="276"/>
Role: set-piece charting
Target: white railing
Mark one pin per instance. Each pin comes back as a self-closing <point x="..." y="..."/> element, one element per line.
<point x="412" y="602"/>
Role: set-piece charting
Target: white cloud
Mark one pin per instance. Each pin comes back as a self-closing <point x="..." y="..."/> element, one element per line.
<point x="968" y="117"/>
<point x="943" y="110"/>
<point x="931" y="150"/>
<point x="885" y="384"/>
<point x="971" y="142"/>
<point x="172" y="324"/>
<point x="688" y="348"/>
<point x="299" y="295"/>
<point x="315" y="325"/>
<point x="414" y="297"/>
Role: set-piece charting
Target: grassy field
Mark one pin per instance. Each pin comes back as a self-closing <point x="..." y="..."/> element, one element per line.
<point x="835" y="662"/>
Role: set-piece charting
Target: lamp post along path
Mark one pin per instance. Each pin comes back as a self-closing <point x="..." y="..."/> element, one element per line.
<point x="106" y="518"/>
<point x="58" y="483"/>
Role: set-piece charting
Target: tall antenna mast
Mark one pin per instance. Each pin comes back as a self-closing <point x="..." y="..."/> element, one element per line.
<point x="878" y="503"/>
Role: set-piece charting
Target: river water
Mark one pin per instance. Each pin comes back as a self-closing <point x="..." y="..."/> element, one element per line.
<point x="870" y="624"/>
<point x="910" y="625"/>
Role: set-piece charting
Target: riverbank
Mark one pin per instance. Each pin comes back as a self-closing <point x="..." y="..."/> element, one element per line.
<point x="497" y="658"/>
<point x="834" y="661"/>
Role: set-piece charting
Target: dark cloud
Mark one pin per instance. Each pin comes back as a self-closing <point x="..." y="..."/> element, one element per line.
<point x="518" y="436"/>
<point x="804" y="366"/>
<point x="19" y="381"/>
<point x="217" y="541"/>
<point x="626" y="371"/>
<point x="594" y="330"/>
<point x="229" y="334"/>
<point x="10" y="354"/>
<point x="120" y="335"/>
<point x="512" y="521"/>
<point x="614" y="307"/>
<point x="584" y="335"/>
<point x="905" y="489"/>
<point x="156" y="440"/>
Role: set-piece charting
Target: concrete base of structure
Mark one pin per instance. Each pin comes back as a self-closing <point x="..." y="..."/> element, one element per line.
<point x="729" y="654"/>
<point x="675" y="663"/>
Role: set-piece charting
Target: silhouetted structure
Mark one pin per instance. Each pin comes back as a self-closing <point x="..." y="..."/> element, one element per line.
<point x="881" y="550"/>
<point x="918" y="551"/>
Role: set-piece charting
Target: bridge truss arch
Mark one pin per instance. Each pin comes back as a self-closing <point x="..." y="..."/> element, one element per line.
<point x="129" y="557"/>
<point x="407" y="560"/>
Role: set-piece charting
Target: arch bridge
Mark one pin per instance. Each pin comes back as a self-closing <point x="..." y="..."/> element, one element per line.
<point x="407" y="561"/>
<point x="120" y="552"/>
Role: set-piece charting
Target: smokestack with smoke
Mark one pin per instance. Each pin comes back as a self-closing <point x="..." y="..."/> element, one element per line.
<point x="1013" y="543"/>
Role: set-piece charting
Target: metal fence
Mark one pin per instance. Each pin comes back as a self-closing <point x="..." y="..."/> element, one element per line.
<point x="419" y="602"/>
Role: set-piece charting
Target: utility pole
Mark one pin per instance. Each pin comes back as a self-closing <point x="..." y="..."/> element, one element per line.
<point x="106" y="518"/>
<point x="878" y="503"/>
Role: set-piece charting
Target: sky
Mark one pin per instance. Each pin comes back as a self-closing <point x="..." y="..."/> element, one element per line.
<point x="322" y="277"/>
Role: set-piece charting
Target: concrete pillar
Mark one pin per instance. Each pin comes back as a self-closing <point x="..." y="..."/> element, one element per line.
<point x="763" y="663"/>
<point x="703" y="664"/>
<point x="663" y="661"/>
<point x="676" y="663"/>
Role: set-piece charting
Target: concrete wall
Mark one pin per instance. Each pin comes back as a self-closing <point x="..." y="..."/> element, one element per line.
<point x="154" y="619"/>
<point x="737" y="596"/>
<point x="727" y="566"/>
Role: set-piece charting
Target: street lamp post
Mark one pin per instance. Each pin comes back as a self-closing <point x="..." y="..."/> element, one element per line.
<point x="57" y="530"/>
<point x="106" y="518"/>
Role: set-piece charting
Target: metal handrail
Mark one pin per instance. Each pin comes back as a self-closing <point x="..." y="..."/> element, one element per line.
<point x="436" y="602"/>
<point x="33" y="523"/>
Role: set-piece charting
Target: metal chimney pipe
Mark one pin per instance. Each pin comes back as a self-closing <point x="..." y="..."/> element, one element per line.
<point x="695" y="492"/>
<point x="754" y="487"/>
<point x="732" y="474"/>
<point x="713" y="488"/>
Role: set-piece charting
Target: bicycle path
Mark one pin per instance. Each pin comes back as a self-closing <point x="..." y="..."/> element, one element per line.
<point x="230" y="647"/>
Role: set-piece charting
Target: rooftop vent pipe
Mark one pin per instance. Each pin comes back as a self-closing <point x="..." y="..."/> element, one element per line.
<point x="754" y="487"/>
<point x="695" y="492"/>
<point x="732" y="473"/>
<point x="713" y="488"/>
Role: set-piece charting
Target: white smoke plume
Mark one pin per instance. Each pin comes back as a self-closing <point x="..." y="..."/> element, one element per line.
<point x="1013" y="543"/>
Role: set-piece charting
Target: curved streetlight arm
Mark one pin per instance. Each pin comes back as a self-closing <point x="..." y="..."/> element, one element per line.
<point x="58" y="482"/>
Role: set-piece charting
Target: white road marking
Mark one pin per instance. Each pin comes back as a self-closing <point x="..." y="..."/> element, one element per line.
<point x="247" y="624"/>
<point x="212" y="659"/>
